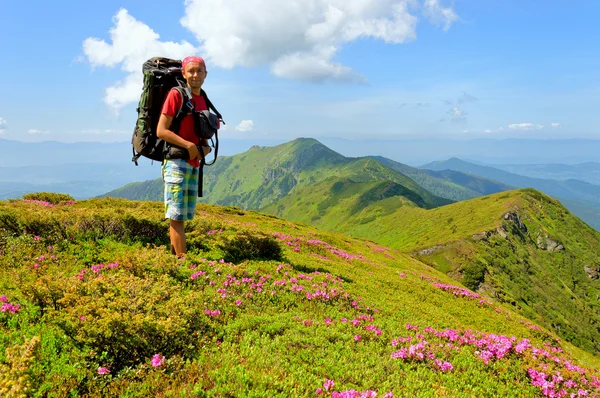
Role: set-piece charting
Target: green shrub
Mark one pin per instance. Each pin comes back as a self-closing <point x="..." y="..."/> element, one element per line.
<point x="146" y="231"/>
<point x="126" y="319"/>
<point x="14" y="377"/>
<point x="9" y="222"/>
<point x="246" y="246"/>
<point x="473" y="275"/>
<point x="50" y="197"/>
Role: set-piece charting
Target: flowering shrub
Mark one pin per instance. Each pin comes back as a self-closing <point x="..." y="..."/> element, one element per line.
<point x="131" y="319"/>
<point x="48" y="198"/>
<point x="119" y="317"/>
<point x="14" y="376"/>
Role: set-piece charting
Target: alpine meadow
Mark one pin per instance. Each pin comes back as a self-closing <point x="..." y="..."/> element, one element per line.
<point x="394" y="199"/>
<point x="422" y="295"/>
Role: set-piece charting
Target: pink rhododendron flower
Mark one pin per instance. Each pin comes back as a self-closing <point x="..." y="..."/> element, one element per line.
<point x="157" y="360"/>
<point x="357" y="337"/>
<point x="103" y="371"/>
<point x="328" y="384"/>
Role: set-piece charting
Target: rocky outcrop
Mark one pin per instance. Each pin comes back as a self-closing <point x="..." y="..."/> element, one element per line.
<point x="483" y="235"/>
<point x="514" y="217"/>
<point x="429" y="250"/>
<point x="592" y="271"/>
<point x="502" y="231"/>
<point x="545" y="243"/>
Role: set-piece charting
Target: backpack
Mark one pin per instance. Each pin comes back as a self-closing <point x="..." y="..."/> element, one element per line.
<point x="160" y="76"/>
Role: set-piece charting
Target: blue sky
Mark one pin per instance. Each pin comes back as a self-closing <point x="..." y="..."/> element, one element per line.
<point x="340" y="68"/>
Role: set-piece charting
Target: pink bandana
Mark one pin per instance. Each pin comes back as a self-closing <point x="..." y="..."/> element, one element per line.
<point x="191" y="59"/>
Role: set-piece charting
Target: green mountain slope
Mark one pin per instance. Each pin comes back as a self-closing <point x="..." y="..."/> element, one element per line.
<point x="521" y="247"/>
<point x="262" y="175"/>
<point x="260" y="307"/>
<point x="330" y="203"/>
<point x="564" y="190"/>
<point x="448" y="184"/>
<point x="146" y="190"/>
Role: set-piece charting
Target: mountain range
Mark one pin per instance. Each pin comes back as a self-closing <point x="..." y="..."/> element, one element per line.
<point x="264" y="175"/>
<point x="577" y="195"/>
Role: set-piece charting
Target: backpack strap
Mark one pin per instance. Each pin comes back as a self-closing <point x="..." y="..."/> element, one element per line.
<point x="186" y="107"/>
<point x="211" y="106"/>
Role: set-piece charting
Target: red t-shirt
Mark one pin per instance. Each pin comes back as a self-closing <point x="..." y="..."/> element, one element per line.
<point x="170" y="108"/>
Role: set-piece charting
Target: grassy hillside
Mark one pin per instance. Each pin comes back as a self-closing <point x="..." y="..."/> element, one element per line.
<point x="260" y="307"/>
<point x="448" y="184"/>
<point x="330" y="203"/>
<point x="545" y="264"/>
<point x="146" y="190"/>
<point x="259" y="177"/>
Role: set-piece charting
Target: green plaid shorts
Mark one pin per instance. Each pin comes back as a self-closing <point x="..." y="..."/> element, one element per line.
<point x="181" y="189"/>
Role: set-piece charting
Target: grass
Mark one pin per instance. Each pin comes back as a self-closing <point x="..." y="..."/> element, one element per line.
<point x="105" y="298"/>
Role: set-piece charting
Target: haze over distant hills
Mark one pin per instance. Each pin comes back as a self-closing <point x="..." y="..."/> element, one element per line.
<point x="413" y="152"/>
<point x="576" y="194"/>
<point x="588" y="171"/>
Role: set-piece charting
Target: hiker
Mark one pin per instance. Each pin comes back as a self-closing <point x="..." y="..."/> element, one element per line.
<point x="181" y="175"/>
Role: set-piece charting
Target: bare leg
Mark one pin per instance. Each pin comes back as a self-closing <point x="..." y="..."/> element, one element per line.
<point x="177" y="234"/>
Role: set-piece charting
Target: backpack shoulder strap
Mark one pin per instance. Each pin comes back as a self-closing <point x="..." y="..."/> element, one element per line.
<point x="186" y="107"/>
<point x="211" y="106"/>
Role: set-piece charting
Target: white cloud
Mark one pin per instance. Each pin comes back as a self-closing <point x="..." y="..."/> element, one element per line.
<point x="132" y="43"/>
<point x="36" y="132"/>
<point x="303" y="38"/>
<point x="298" y="39"/>
<point x="525" y="126"/>
<point x="555" y="125"/>
<point x="440" y="15"/>
<point x="314" y="68"/>
<point x="456" y="112"/>
<point x="245" y="126"/>
<point x="3" y="124"/>
<point x="456" y="115"/>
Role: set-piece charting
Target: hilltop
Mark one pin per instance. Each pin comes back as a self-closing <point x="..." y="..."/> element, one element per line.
<point x="93" y="305"/>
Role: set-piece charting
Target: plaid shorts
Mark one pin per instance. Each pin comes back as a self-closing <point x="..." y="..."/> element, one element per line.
<point x="181" y="189"/>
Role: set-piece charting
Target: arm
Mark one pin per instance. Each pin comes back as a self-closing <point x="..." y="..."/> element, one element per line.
<point x="163" y="132"/>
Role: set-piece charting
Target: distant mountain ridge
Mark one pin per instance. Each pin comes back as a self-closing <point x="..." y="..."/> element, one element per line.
<point x="447" y="183"/>
<point x="570" y="191"/>
<point x="588" y="171"/>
